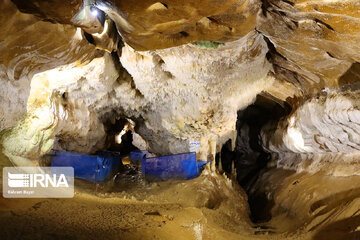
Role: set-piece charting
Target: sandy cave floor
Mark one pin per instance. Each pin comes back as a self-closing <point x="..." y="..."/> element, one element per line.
<point x="303" y="206"/>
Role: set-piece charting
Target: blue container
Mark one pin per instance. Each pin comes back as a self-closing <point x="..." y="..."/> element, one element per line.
<point x="178" y="166"/>
<point x="92" y="168"/>
<point x="138" y="156"/>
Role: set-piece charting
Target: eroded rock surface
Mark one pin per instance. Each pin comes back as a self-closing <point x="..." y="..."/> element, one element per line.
<point x="315" y="40"/>
<point x="286" y="50"/>
<point x="29" y="46"/>
<point x="194" y="93"/>
<point x="193" y="71"/>
<point x="53" y="113"/>
<point x="322" y="129"/>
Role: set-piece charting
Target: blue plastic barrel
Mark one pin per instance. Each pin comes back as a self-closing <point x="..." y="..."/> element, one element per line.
<point x="178" y="166"/>
<point x="93" y="168"/>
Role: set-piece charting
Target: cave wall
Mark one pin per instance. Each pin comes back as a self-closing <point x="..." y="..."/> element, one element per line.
<point x="321" y="134"/>
<point x="175" y="104"/>
<point x="60" y="110"/>
<point x="175" y="87"/>
<point x="29" y="46"/>
<point x="315" y="42"/>
<point x="194" y="93"/>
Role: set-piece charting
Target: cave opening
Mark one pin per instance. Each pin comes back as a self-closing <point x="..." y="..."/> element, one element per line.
<point x="249" y="158"/>
<point x="105" y="88"/>
<point x="244" y="164"/>
<point x="116" y="143"/>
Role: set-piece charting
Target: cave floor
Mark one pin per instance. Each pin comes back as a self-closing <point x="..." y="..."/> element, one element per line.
<point x="304" y="206"/>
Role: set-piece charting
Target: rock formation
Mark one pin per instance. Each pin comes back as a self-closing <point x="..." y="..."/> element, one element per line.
<point x="270" y="89"/>
<point x="181" y="88"/>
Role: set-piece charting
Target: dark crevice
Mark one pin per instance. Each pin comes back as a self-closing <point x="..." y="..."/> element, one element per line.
<point x="114" y="126"/>
<point x="330" y="54"/>
<point x="212" y="19"/>
<point x="282" y="13"/>
<point x="289" y="2"/>
<point x="116" y="59"/>
<point x="289" y="26"/>
<point x="270" y="55"/>
<point x="295" y="23"/>
<point x="324" y="23"/>
<point x="89" y="38"/>
<point x="249" y="157"/>
<point x="124" y="75"/>
<point x="264" y="6"/>
<point x="284" y="68"/>
<point x="184" y="34"/>
<point x="120" y="46"/>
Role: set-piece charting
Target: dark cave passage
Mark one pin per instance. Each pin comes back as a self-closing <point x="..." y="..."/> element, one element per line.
<point x="249" y="157"/>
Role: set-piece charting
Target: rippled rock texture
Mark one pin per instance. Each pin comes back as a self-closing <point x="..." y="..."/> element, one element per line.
<point x="276" y="82"/>
<point x="28" y="46"/>
<point x="163" y="75"/>
<point x="324" y="129"/>
<point x="315" y="40"/>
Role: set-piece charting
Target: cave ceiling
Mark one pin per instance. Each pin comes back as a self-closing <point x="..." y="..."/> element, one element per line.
<point x="217" y="55"/>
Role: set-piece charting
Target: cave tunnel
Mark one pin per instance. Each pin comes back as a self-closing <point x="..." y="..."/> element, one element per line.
<point x="180" y="120"/>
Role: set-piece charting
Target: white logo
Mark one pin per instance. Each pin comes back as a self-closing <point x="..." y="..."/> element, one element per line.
<point x="36" y="180"/>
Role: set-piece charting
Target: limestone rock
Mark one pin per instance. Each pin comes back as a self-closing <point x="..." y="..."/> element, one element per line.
<point x="28" y="46"/>
<point x="317" y="41"/>
<point x="194" y="93"/>
<point x="55" y="114"/>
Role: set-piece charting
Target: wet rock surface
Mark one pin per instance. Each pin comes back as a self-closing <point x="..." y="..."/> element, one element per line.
<point x="269" y="86"/>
